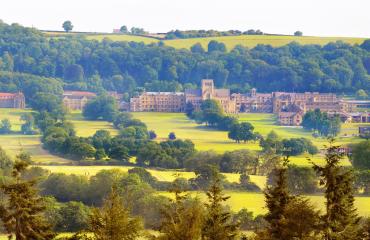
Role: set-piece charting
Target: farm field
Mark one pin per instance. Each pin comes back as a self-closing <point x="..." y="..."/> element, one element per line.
<point x="255" y="202"/>
<point x="249" y="41"/>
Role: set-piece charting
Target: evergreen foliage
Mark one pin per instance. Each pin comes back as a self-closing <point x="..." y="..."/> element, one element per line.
<point x="113" y="220"/>
<point x="22" y="214"/>
<point x="340" y="220"/>
<point x="218" y="224"/>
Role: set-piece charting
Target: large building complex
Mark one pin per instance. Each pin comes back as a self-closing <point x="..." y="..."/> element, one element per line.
<point x="176" y="101"/>
<point x="288" y="107"/>
<point x="12" y="100"/>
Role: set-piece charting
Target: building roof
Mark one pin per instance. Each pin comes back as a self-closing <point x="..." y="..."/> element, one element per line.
<point x="79" y="94"/>
<point x="165" y="93"/>
<point x="195" y="92"/>
<point x="222" y="92"/>
<point x="7" y="94"/>
<point x="288" y="114"/>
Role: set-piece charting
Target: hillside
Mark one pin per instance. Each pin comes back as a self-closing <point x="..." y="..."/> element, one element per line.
<point x="249" y="41"/>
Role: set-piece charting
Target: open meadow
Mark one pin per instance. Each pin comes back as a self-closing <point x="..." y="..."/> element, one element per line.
<point x="249" y="41"/>
<point x="255" y="202"/>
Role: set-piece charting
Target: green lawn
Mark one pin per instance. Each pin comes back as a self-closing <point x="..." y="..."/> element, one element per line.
<point x="86" y="128"/>
<point x="255" y="202"/>
<point x="208" y="139"/>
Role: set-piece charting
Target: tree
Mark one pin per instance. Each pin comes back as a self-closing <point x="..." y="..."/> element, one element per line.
<point x="182" y="218"/>
<point x="361" y="94"/>
<point x="74" y="217"/>
<point x="172" y="136"/>
<point x="5" y="126"/>
<point x="340" y="220"/>
<point x="288" y="217"/>
<point x="216" y="46"/>
<point x="272" y="142"/>
<point x="102" y="107"/>
<point x="152" y="135"/>
<point x="360" y="156"/>
<point x="67" y="26"/>
<point x="124" y="29"/>
<point x="113" y="220"/>
<point x="298" y="33"/>
<point x="28" y="125"/>
<point x="242" y="132"/>
<point x="218" y="224"/>
<point x="277" y="199"/>
<point x="22" y="214"/>
<point x="197" y="48"/>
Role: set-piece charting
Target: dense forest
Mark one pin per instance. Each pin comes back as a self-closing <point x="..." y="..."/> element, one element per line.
<point x="31" y="62"/>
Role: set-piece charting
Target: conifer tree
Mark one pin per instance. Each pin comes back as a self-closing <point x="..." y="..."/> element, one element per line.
<point x="289" y="217"/>
<point x="113" y="221"/>
<point x="182" y="218"/>
<point x="277" y="200"/>
<point x="341" y="220"/>
<point x="218" y="224"/>
<point x="22" y="214"/>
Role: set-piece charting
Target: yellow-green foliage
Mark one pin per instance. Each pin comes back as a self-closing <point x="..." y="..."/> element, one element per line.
<point x="255" y="202"/>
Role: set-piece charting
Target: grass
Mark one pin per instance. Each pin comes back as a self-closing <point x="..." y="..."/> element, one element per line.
<point x="208" y="139"/>
<point x="249" y="41"/>
<point x="255" y="202"/>
<point x="86" y="128"/>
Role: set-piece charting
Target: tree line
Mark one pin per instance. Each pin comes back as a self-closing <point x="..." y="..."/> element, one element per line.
<point x="76" y="63"/>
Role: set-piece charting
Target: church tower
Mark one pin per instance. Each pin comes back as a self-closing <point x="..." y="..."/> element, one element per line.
<point x="208" y="89"/>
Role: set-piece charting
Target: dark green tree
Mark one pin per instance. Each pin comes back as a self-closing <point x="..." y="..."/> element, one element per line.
<point x="340" y="220"/>
<point x="5" y="126"/>
<point x="67" y="26"/>
<point x="113" y="220"/>
<point x="218" y="224"/>
<point x="22" y="214"/>
<point x="182" y="218"/>
<point x="360" y="156"/>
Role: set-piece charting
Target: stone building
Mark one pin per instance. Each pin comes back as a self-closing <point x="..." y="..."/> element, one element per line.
<point x="76" y="100"/>
<point x="176" y="101"/>
<point x="290" y="118"/>
<point x="12" y="100"/>
<point x="158" y="102"/>
<point x="208" y="91"/>
<point x="253" y="102"/>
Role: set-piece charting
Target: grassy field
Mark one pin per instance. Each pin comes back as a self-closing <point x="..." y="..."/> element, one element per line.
<point x="255" y="202"/>
<point x="249" y="41"/>
<point x="86" y="128"/>
<point x="207" y="139"/>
